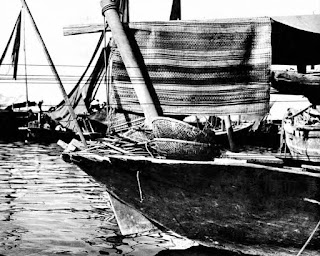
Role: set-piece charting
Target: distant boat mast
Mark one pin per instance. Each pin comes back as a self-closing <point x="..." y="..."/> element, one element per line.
<point x="25" y="55"/>
<point x="53" y="68"/>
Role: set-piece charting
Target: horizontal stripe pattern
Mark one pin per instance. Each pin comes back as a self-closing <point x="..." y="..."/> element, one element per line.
<point x="210" y="68"/>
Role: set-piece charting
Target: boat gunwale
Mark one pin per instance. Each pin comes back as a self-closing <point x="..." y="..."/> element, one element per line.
<point x="215" y="162"/>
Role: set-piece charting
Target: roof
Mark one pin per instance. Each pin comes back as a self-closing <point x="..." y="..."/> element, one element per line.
<point x="295" y="40"/>
<point x="308" y="23"/>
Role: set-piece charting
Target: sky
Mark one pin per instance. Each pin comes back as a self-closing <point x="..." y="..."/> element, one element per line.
<point x="71" y="54"/>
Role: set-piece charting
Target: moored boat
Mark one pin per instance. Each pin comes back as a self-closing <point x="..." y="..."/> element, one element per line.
<point x="250" y="208"/>
<point x="176" y="179"/>
<point x="27" y="124"/>
<point x="301" y="132"/>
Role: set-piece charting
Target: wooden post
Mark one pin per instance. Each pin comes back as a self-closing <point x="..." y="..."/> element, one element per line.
<point x="175" y="10"/>
<point x="229" y="130"/>
<point x="65" y="96"/>
<point x="302" y="68"/>
<point x="109" y="10"/>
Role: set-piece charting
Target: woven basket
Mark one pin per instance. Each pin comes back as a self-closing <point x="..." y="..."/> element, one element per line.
<point x="139" y="135"/>
<point x="166" y="127"/>
<point x="182" y="149"/>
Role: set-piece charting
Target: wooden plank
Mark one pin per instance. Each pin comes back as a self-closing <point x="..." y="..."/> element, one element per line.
<point x="117" y="148"/>
<point x="256" y="158"/>
<point x="62" y="144"/>
<point x="311" y="168"/>
<point x="308" y="128"/>
<point x="83" y="29"/>
<point x="77" y="144"/>
<point x="70" y="148"/>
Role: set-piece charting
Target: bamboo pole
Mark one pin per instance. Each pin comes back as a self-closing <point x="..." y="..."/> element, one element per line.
<point x="65" y="96"/>
<point x="109" y="10"/>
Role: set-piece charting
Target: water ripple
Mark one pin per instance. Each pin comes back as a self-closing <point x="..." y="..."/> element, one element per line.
<point x="49" y="207"/>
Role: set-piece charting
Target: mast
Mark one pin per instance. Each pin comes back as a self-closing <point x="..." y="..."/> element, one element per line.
<point x="65" y="96"/>
<point x="175" y="10"/>
<point x="25" y="56"/>
<point x="109" y="10"/>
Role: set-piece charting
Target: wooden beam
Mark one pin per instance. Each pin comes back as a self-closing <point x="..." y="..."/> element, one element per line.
<point x="228" y="123"/>
<point x="83" y="29"/>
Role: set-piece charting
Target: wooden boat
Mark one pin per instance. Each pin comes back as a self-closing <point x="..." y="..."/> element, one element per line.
<point x="12" y="117"/>
<point x="179" y="181"/>
<point x="293" y="83"/>
<point x="225" y="203"/>
<point x="218" y="126"/>
<point x="26" y="124"/>
<point x="301" y="131"/>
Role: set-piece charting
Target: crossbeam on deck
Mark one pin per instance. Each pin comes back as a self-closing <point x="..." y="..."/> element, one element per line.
<point x="83" y="29"/>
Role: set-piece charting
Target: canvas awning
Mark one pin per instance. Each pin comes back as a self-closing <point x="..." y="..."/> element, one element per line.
<point x="307" y="23"/>
<point x="295" y="40"/>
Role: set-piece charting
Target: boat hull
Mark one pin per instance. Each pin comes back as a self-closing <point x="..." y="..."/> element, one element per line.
<point x="303" y="145"/>
<point x="247" y="207"/>
<point x="302" y="139"/>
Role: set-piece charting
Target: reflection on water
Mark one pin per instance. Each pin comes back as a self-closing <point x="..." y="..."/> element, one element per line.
<point x="49" y="207"/>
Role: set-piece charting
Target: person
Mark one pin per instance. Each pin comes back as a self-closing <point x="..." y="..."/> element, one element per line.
<point x="94" y="105"/>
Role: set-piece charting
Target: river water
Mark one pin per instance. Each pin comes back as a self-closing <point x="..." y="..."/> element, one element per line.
<point x="49" y="207"/>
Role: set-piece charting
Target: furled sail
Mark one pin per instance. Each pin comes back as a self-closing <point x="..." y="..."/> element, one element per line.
<point x="16" y="33"/>
<point x="83" y="92"/>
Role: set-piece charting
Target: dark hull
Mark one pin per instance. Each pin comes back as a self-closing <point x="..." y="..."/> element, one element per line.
<point x="43" y="135"/>
<point x="241" y="206"/>
<point x="10" y="121"/>
<point x="290" y="82"/>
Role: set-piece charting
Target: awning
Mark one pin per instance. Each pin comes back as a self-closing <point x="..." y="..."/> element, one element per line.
<point x="308" y="23"/>
<point x="295" y="40"/>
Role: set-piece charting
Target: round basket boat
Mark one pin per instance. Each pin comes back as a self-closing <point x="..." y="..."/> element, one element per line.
<point x="182" y="149"/>
<point x="166" y="127"/>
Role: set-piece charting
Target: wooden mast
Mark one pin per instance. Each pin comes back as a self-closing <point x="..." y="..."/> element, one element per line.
<point x="229" y="130"/>
<point x="65" y="96"/>
<point x="23" y="16"/>
<point x="175" y="10"/>
<point x="109" y="10"/>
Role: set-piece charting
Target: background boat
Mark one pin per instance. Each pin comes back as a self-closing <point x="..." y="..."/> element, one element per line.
<point x="37" y="124"/>
<point x="301" y="135"/>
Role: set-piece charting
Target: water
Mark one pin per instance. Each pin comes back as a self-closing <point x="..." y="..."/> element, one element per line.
<point x="49" y="207"/>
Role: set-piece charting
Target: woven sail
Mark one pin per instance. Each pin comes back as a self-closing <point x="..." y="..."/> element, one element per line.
<point x="213" y="67"/>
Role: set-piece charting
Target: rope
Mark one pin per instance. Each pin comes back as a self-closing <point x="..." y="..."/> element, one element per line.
<point x="140" y="190"/>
